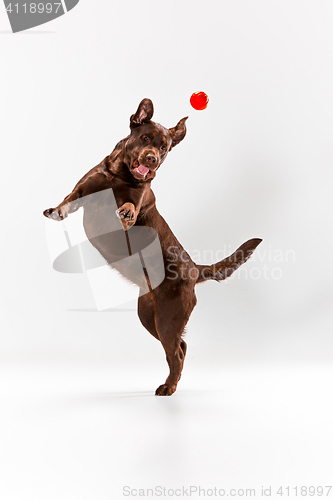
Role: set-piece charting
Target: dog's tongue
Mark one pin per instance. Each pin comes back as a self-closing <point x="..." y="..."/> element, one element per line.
<point x="143" y="169"/>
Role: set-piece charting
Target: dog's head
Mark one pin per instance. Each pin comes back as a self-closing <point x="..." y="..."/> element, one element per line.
<point x="149" y="143"/>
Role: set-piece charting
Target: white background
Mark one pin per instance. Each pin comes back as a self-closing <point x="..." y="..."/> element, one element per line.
<point x="79" y="419"/>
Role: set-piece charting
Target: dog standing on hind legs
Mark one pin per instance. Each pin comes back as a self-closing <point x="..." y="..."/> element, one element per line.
<point x="128" y="172"/>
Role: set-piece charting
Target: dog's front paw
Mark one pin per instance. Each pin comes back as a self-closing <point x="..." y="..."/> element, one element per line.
<point x="56" y="213"/>
<point x="126" y="213"/>
<point x="165" y="390"/>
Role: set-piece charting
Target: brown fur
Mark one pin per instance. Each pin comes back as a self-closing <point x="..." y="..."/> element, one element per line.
<point x="165" y="310"/>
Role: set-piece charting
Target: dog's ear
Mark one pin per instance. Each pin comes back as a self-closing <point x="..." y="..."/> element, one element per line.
<point x="143" y="114"/>
<point x="178" y="132"/>
<point x="117" y="150"/>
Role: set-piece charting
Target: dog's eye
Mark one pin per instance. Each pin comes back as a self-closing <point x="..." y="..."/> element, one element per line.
<point x="163" y="147"/>
<point x="145" y="138"/>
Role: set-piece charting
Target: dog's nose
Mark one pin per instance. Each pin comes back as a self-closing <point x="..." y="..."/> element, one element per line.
<point x="151" y="159"/>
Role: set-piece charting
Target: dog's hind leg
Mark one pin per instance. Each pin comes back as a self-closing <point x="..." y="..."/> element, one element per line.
<point x="171" y="318"/>
<point x="147" y="314"/>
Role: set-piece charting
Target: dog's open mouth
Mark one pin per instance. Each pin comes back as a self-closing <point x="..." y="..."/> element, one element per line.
<point x="140" y="171"/>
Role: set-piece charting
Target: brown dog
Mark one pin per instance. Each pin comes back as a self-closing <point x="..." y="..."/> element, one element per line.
<point x="163" y="310"/>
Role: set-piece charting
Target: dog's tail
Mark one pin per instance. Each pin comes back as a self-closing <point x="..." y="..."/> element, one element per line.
<point x="223" y="269"/>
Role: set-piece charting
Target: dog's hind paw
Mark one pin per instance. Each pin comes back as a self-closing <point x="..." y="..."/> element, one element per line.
<point x="165" y="390"/>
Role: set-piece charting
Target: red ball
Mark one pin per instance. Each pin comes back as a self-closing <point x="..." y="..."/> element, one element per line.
<point x="199" y="100"/>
